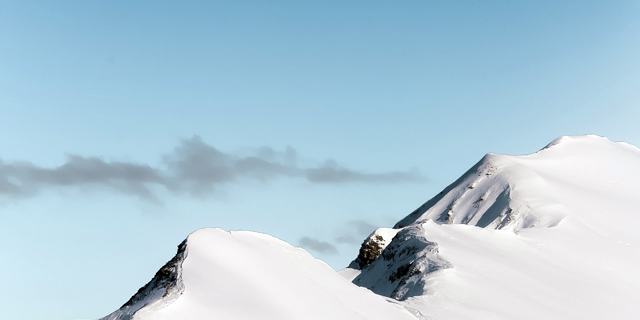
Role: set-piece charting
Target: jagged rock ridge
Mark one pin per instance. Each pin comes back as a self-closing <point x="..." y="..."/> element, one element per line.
<point x="164" y="288"/>
<point x="399" y="271"/>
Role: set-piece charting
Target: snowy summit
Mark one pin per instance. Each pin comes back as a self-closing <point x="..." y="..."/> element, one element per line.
<point x="249" y="275"/>
<point x="550" y="235"/>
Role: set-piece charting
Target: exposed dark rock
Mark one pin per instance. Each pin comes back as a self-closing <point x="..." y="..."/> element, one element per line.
<point x="370" y="250"/>
<point x="166" y="278"/>
<point x="402" y="271"/>
<point x="166" y="284"/>
<point x="405" y="265"/>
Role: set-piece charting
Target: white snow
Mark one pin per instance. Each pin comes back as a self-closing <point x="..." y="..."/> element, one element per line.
<point x="248" y="275"/>
<point x="551" y="235"/>
<point x="559" y="239"/>
<point x="386" y="233"/>
<point x="349" y="273"/>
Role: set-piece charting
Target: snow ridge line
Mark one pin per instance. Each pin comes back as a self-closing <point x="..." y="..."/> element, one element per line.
<point x="164" y="288"/>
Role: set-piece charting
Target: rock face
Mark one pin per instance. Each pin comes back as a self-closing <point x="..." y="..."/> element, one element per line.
<point x="370" y="250"/>
<point x="165" y="287"/>
<point x="401" y="269"/>
<point x="372" y="247"/>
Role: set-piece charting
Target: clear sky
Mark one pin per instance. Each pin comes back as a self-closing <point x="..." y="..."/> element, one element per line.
<point x="127" y="125"/>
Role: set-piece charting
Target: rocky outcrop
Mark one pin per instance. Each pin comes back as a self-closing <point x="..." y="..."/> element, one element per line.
<point x="164" y="288"/>
<point x="402" y="268"/>
<point x="370" y="250"/>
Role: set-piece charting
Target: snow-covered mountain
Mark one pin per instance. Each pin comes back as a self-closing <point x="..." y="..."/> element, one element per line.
<point x="248" y="275"/>
<point x="551" y="235"/>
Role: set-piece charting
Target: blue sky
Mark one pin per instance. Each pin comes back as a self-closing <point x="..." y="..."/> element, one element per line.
<point x="386" y="102"/>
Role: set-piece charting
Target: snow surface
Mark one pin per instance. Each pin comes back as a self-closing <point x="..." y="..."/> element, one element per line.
<point x="165" y="287"/>
<point x="249" y="275"/>
<point x="551" y="235"/>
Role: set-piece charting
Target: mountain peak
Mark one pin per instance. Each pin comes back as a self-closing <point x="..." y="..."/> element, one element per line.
<point x="512" y="192"/>
<point x="574" y="177"/>
<point x="548" y="235"/>
<point x="240" y="275"/>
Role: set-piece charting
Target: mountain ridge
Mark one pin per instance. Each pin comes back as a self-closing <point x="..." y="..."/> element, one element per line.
<point x="250" y="275"/>
<point x="547" y="235"/>
<point x="582" y="187"/>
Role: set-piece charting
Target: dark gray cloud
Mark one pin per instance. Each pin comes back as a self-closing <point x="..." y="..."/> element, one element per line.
<point x="194" y="168"/>
<point x="22" y="179"/>
<point x="317" y="245"/>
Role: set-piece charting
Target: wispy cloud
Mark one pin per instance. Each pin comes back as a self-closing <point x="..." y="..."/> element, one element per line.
<point x="331" y="172"/>
<point x="193" y="168"/>
<point x="356" y="232"/>
<point x="346" y="238"/>
<point x="23" y="179"/>
<point x="317" y="245"/>
<point x="362" y="227"/>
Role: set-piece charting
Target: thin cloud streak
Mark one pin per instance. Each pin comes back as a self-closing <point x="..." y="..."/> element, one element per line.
<point x="363" y="228"/>
<point x="317" y="245"/>
<point x="346" y="239"/>
<point x="193" y="168"/>
<point x="331" y="172"/>
<point x="359" y="228"/>
<point x="23" y="179"/>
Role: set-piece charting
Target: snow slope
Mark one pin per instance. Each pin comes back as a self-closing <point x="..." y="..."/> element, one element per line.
<point x="248" y="275"/>
<point x="165" y="287"/>
<point x="551" y="235"/>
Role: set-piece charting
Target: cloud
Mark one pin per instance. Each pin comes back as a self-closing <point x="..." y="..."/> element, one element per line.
<point x="362" y="227"/>
<point x="23" y="179"/>
<point x="346" y="239"/>
<point x="331" y="172"/>
<point x="317" y="245"/>
<point x="193" y="168"/>
<point x="196" y="167"/>
<point x="356" y="228"/>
